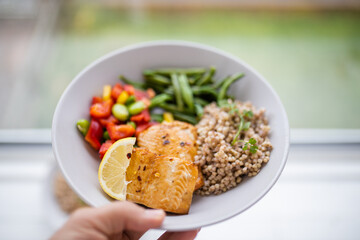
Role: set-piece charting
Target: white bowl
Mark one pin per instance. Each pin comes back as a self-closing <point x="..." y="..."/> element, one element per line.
<point x="79" y="162"/>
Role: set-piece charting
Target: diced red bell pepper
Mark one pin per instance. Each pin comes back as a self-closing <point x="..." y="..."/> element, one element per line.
<point x="117" y="132"/>
<point x="141" y="118"/>
<point x="111" y="119"/>
<point x="129" y="89"/>
<point x="94" y="134"/>
<point x="143" y="127"/>
<point x="143" y="96"/>
<point x="140" y="94"/>
<point x="116" y="90"/>
<point x="96" y="100"/>
<point x="104" y="147"/>
<point x="101" y="110"/>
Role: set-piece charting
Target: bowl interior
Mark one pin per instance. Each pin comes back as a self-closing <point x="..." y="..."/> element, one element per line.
<point x="79" y="163"/>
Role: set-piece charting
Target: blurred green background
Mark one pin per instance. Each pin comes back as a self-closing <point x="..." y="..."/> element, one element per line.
<point x="310" y="57"/>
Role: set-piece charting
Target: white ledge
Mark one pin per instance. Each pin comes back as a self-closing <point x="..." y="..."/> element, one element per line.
<point x="324" y="136"/>
<point x="297" y="136"/>
<point x="31" y="136"/>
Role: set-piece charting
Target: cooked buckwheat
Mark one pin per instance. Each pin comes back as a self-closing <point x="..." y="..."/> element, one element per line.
<point x="223" y="164"/>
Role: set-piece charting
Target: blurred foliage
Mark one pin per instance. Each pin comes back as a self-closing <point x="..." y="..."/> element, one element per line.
<point x="312" y="59"/>
<point x="92" y="20"/>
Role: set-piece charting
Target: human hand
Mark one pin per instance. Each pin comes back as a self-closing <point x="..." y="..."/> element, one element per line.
<point x="118" y="220"/>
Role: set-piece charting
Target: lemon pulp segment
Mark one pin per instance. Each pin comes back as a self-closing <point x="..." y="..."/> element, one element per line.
<point x="112" y="169"/>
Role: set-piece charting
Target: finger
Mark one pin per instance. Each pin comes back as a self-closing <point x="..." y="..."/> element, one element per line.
<point x="187" y="235"/>
<point x="119" y="216"/>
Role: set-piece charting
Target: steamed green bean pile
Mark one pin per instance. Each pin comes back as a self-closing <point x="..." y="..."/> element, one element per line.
<point x="185" y="91"/>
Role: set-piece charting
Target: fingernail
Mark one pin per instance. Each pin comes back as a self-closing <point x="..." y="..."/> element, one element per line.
<point x="154" y="213"/>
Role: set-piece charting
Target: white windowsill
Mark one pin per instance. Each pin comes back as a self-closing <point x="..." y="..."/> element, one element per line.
<point x="297" y="136"/>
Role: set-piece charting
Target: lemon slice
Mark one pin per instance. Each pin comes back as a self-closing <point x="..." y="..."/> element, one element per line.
<point x="112" y="169"/>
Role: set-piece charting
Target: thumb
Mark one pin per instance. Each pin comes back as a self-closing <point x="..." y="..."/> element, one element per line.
<point x="120" y="216"/>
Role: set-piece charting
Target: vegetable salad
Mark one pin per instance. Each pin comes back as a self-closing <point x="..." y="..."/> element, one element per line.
<point x="122" y="111"/>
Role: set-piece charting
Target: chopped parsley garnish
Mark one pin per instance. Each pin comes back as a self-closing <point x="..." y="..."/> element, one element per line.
<point x="243" y="126"/>
<point x="252" y="145"/>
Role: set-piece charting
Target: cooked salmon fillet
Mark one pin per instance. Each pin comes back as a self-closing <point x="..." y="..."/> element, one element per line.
<point x="176" y="139"/>
<point x="161" y="181"/>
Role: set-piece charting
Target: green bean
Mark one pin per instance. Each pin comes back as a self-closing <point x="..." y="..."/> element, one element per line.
<point x="136" y="107"/>
<point x="169" y="71"/>
<point x="135" y="84"/>
<point x="120" y="112"/>
<point x="185" y="118"/>
<point x="201" y="101"/>
<point x="177" y="90"/>
<point x="106" y="135"/>
<point x="202" y="90"/>
<point x="230" y="97"/>
<point x="83" y="126"/>
<point x="206" y="78"/>
<point x="148" y="72"/>
<point x="173" y="108"/>
<point x="186" y="92"/>
<point x="157" y="88"/>
<point x="193" y="71"/>
<point x="199" y="110"/>
<point x="131" y="99"/>
<point x="220" y="83"/>
<point x="155" y="101"/>
<point x="169" y="90"/>
<point x="131" y="124"/>
<point x="157" y="117"/>
<point x="158" y="79"/>
<point x="227" y="83"/>
<point x="223" y="103"/>
<point x="194" y="78"/>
